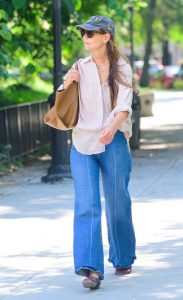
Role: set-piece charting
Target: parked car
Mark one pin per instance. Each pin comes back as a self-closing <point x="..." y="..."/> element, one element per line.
<point x="169" y="74"/>
<point x="155" y="69"/>
<point x="160" y="75"/>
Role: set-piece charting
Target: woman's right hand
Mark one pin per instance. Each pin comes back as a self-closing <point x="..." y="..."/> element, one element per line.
<point x="72" y="75"/>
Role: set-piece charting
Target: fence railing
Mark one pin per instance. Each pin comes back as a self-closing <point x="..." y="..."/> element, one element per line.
<point x="23" y="128"/>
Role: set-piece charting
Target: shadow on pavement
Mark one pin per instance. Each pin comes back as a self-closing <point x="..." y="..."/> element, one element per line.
<point x="163" y="137"/>
<point x="150" y="282"/>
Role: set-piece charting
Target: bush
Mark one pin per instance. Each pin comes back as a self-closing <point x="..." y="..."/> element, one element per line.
<point x="20" y="93"/>
<point x="5" y="157"/>
<point x="178" y="84"/>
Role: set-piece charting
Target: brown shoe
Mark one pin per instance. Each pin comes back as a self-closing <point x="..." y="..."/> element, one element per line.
<point x="123" y="271"/>
<point x="91" y="282"/>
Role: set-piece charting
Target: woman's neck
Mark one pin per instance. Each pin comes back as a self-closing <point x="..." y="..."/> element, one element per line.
<point x="100" y="56"/>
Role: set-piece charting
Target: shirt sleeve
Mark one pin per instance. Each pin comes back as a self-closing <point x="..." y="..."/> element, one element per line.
<point x="125" y="94"/>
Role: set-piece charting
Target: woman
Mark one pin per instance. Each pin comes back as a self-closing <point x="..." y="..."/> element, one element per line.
<point x="100" y="144"/>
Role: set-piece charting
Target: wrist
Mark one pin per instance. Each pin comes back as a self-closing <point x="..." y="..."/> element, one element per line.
<point x="113" y="127"/>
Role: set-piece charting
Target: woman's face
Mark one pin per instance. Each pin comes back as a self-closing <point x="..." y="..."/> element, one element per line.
<point x="95" y="42"/>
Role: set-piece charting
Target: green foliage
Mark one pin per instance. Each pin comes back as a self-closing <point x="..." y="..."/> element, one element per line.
<point x="3" y="15"/>
<point x="167" y="23"/>
<point x="8" y="164"/>
<point x="30" y="68"/>
<point x="77" y="4"/>
<point x="175" y="34"/>
<point x="5" y="157"/>
<point x="13" y="96"/>
<point x="5" y="152"/>
<point x="44" y="150"/>
<point x="18" y="4"/>
<point x="178" y="84"/>
<point x="20" y="93"/>
<point x="5" y="36"/>
<point x="26" y="38"/>
<point x="5" y="33"/>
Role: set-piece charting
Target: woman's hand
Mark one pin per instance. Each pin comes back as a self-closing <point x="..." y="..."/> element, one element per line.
<point x="108" y="134"/>
<point x="72" y="75"/>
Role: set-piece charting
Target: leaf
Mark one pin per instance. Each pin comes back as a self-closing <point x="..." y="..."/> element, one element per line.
<point x="3" y="72"/>
<point x="5" y="32"/>
<point x="116" y="6"/>
<point x="6" y="35"/>
<point x="16" y="62"/>
<point x="5" y="59"/>
<point x="30" y="68"/>
<point x="78" y="5"/>
<point x="3" y="15"/>
<point x="19" y="3"/>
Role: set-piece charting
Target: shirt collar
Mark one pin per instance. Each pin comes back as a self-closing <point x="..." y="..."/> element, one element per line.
<point x="121" y="61"/>
<point x="87" y="59"/>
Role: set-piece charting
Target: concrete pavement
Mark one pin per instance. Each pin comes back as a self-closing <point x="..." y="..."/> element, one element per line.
<point x="36" y="223"/>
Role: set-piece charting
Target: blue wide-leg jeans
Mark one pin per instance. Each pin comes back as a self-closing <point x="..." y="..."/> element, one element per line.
<point x="115" y="167"/>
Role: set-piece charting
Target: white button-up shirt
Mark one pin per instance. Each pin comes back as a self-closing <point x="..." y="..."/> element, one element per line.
<point x="95" y="112"/>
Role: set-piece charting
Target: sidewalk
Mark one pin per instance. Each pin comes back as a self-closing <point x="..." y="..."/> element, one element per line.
<point x="36" y="223"/>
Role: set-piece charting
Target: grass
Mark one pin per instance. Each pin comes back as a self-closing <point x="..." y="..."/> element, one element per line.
<point x="146" y="90"/>
<point x="178" y="85"/>
<point x="35" y="89"/>
<point x="21" y="96"/>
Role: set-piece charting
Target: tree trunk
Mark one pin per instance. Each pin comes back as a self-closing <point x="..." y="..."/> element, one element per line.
<point x="166" y="59"/>
<point x="150" y="18"/>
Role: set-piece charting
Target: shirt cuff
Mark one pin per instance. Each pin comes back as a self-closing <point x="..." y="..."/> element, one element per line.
<point x="123" y="107"/>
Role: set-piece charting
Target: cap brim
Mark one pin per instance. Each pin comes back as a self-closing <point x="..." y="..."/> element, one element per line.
<point x="87" y="27"/>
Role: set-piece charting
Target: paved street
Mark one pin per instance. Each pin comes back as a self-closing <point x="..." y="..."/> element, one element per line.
<point x="36" y="223"/>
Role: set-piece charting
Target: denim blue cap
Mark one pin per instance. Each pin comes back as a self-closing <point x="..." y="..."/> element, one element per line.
<point x="98" y="22"/>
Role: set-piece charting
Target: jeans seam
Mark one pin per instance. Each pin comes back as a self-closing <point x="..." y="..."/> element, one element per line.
<point x="91" y="237"/>
<point x="115" y="200"/>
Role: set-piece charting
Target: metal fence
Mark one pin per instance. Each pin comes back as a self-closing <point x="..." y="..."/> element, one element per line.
<point x="23" y="128"/>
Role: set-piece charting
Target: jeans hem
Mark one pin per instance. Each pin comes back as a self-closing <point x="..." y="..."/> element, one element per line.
<point x="84" y="271"/>
<point x="121" y="266"/>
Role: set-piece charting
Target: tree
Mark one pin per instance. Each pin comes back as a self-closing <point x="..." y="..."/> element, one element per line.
<point x="26" y="30"/>
<point x="166" y="26"/>
<point x="171" y="15"/>
<point x="26" y="34"/>
<point x="149" y="37"/>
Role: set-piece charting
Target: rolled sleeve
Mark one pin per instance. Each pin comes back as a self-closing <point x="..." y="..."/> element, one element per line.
<point x="125" y="94"/>
<point x="124" y="100"/>
<point x="124" y="107"/>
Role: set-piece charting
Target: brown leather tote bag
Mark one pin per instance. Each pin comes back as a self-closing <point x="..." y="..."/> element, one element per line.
<point x="64" y="114"/>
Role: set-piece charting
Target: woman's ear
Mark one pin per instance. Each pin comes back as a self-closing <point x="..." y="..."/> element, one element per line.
<point x="107" y="37"/>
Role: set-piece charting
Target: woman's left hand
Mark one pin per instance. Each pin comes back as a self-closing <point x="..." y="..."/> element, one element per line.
<point x="107" y="134"/>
